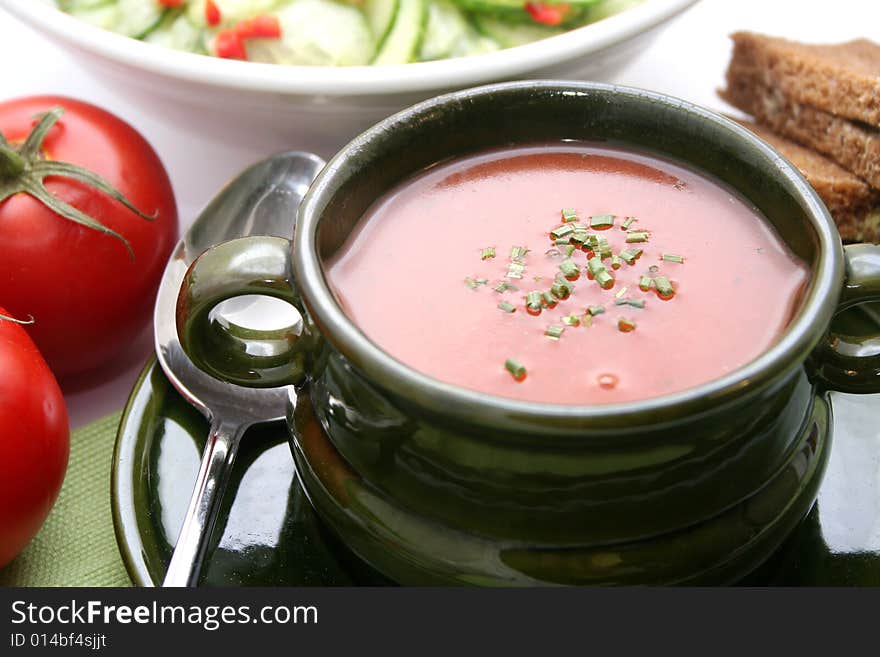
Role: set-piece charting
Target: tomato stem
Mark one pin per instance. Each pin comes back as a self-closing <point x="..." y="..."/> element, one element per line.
<point x="7" y="318"/>
<point x="23" y="170"/>
<point x="11" y="163"/>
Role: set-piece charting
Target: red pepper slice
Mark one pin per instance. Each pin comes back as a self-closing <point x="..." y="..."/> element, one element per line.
<point x="171" y="4"/>
<point x="260" y="27"/>
<point x="212" y="13"/>
<point x="547" y="14"/>
<point x="230" y="45"/>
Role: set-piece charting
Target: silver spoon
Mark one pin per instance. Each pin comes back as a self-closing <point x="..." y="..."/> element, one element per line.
<point x="263" y="200"/>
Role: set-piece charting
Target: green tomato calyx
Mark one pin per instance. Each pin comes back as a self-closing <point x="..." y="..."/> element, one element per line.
<point x="23" y="170"/>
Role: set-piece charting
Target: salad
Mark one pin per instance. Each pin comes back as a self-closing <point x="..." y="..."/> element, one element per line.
<point x="340" y="32"/>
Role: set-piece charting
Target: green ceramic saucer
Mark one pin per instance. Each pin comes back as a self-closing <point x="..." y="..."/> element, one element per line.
<point x="268" y="535"/>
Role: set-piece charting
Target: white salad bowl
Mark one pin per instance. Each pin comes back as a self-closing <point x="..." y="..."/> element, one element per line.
<point x="323" y="107"/>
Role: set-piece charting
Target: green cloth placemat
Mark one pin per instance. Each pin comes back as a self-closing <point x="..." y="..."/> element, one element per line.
<point x="77" y="546"/>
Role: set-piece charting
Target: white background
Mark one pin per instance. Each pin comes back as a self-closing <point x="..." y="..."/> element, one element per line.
<point x="687" y="60"/>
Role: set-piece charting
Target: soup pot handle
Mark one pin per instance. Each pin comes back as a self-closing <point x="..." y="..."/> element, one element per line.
<point x="851" y="363"/>
<point x="247" y="357"/>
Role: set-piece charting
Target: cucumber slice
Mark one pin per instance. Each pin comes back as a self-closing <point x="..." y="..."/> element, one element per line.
<point x="446" y="28"/>
<point x="133" y="18"/>
<point x="316" y="33"/>
<point x="103" y="16"/>
<point x="606" y="8"/>
<point x="402" y="44"/>
<point x="510" y="34"/>
<point x="494" y="6"/>
<point x="231" y="11"/>
<point x="515" y="10"/>
<point x="136" y="18"/>
<point x="177" y="32"/>
<point x="380" y="17"/>
<point x="474" y="44"/>
<point x="77" y="5"/>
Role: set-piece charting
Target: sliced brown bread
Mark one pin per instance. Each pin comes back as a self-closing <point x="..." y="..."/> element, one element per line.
<point x="841" y="79"/>
<point x="854" y="205"/>
<point x="855" y="146"/>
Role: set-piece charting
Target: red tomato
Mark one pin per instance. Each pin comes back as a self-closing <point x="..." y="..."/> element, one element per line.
<point x="34" y="439"/>
<point x="88" y="296"/>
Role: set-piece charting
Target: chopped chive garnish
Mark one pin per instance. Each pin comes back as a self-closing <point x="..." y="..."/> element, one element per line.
<point x="595" y="265"/>
<point x="664" y="287"/>
<point x="516" y="368"/>
<point x="561" y="290"/>
<point x="569" y="269"/>
<point x="599" y="272"/>
<point x="630" y="255"/>
<point x="534" y="302"/>
<point x="604" y="279"/>
<point x="601" y="221"/>
<point x="518" y="252"/>
<point x="634" y="303"/>
<point x="636" y="236"/>
<point x="562" y="231"/>
<point x="569" y="237"/>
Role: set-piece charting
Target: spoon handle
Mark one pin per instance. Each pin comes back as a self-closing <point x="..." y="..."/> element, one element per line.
<point x="198" y="525"/>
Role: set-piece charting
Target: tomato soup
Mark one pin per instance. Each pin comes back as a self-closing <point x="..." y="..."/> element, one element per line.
<point x="569" y="273"/>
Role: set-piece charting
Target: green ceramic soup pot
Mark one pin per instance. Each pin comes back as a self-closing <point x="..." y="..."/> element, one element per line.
<point x="436" y="484"/>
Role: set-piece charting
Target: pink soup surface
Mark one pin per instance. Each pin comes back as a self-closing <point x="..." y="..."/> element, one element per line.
<point x="411" y="276"/>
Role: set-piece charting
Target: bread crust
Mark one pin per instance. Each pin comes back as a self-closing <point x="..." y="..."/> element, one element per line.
<point x="841" y="79"/>
<point x="854" y="146"/>
<point x="853" y="203"/>
<point x="814" y="100"/>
